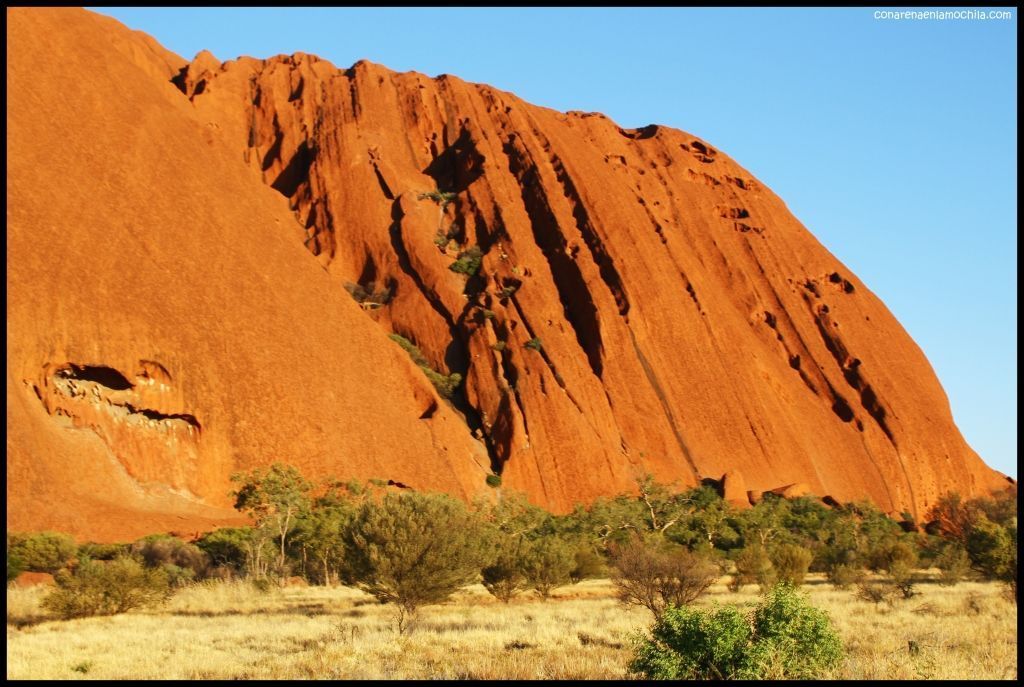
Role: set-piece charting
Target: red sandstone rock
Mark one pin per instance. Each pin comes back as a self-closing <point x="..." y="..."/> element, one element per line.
<point x="180" y="238"/>
<point x="34" y="579"/>
<point x="165" y="325"/>
<point x="734" y="489"/>
<point x="791" y="491"/>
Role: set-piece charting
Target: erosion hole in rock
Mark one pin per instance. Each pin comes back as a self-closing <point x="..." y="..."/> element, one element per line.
<point x="841" y="408"/>
<point x="104" y="376"/>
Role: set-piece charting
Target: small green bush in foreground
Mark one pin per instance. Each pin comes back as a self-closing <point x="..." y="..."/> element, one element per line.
<point x="784" y="638"/>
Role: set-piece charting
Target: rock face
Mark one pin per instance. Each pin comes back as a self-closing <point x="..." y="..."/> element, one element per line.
<point x="184" y="240"/>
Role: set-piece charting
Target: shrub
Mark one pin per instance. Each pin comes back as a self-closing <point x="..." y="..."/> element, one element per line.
<point x="445" y="384"/>
<point x="656" y="576"/>
<point x="844" y="575"/>
<point x="534" y="344"/>
<point x="993" y="551"/>
<point x="499" y="346"/>
<point x="692" y="644"/>
<point x="164" y="550"/>
<point x="43" y="551"/>
<point x="753" y="565"/>
<point x="468" y="261"/>
<point x="504" y="578"/>
<point x="440" y="197"/>
<point x="898" y="559"/>
<point x="547" y="562"/>
<point x="791" y="563"/>
<point x="15" y="566"/>
<point x="785" y="638"/>
<point x="103" y="552"/>
<point x="369" y="295"/>
<point x="792" y="639"/>
<point x="493" y="481"/>
<point x="588" y="564"/>
<point x="412" y="549"/>
<point x="875" y="591"/>
<point x="106" y="588"/>
<point x="953" y="563"/>
<point x="246" y="550"/>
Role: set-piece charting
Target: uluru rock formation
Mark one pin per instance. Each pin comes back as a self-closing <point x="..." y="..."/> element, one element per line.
<point x="206" y="259"/>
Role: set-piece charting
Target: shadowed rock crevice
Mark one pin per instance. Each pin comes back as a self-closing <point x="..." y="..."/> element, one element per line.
<point x="578" y="304"/>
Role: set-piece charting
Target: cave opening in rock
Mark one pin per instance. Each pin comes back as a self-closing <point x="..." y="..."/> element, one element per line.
<point x="105" y="376"/>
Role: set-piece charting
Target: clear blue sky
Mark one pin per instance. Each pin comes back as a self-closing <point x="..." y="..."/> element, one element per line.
<point x="894" y="142"/>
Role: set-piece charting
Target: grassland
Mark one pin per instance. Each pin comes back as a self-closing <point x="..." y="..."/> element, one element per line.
<point x="229" y="630"/>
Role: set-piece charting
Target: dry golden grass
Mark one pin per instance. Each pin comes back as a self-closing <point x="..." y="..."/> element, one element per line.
<point x="231" y="631"/>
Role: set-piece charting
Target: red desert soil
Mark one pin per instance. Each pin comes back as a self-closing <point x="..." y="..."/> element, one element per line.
<point x="181" y="237"/>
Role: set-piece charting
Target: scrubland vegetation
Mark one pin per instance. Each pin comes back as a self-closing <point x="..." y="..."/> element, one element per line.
<point x="358" y="580"/>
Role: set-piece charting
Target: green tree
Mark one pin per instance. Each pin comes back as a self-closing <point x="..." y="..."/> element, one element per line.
<point x="319" y="534"/>
<point x="46" y="552"/>
<point x="239" y="549"/>
<point x="274" y="499"/>
<point x="413" y="549"/>
<point x="953" y="563"/>
<point x="993" y="551"/>
<point x="587" y="564"/>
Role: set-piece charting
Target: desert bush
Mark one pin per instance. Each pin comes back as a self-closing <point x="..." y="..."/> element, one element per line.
<point x="103" y="552"/>
<point x="784" y="638"/>
<point x="656" y="575"/>
<point x="844" y="575"/>
<point x="992" y="549"/>
<point x="106" y="588"/>
<point x="547" y="563"/>
<point x="899" y="559"/>
<point x="493" y="481"/>
<point x="953" y="563"/>
<point x="243" y="550"/>
<point x="694" y="644"/>
<point x="791" y="562"/>
<point x="442" y="198"/>
<point x="792" y="639"/>
<point x="413" y="549"/>
<point x="445" y="384"/>
<point x="534" y="344"/>
<point x="468" y="261"/>
<point x="184" y="561"/>
<point x="43" y="551"/>
<point x="587" y="564"/>
<point x="875" y="591"/>
<point x="752" y="565"/>
<point x="15" y="566"/>
<point x="504" y="577"/>
<point x="370" y="294"/>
